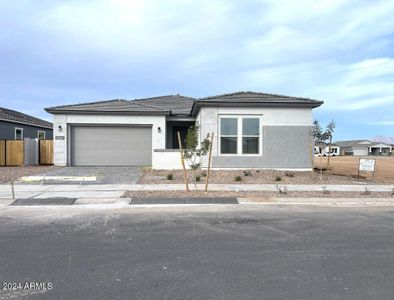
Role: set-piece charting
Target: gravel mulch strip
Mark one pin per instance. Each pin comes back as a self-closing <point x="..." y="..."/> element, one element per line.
<point x="255" y="177"/>
<point x="8" y="174"/>
<point x="257" y="196"/>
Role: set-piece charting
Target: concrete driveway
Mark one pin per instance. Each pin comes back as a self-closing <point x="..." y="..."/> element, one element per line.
<point x="104" y="175"/>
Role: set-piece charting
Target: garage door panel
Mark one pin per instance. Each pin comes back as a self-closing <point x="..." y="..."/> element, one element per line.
<point x="111" y="146"/>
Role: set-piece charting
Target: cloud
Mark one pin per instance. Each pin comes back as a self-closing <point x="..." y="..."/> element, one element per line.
<point x="340" y="51"/>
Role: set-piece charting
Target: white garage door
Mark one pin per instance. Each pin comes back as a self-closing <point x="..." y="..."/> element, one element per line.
<point x="360" y="151"/>
<point x="111" y="146"/>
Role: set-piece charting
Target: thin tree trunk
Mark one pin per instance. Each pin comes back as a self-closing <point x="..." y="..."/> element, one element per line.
<point x="183" y="162"/>
<point x="329" y="154"/>
<point x="209" y="163"/>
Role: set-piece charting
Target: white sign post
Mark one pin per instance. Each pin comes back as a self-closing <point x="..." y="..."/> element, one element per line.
<point x="367" y="165"/>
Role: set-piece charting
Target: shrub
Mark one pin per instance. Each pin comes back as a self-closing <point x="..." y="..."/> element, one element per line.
<point x="289" y="174"/>
<point x="170" y="176"/>
<point x="366" y="191"/>
<point x="198" y="177"/>
<point x="281" y="190"/>
<point x="238" y="178"/>
<point x="278" y="178"/>
<point x="325" y="191"/>
<point x="204" y="173"/>
<point x="247" y="173"/>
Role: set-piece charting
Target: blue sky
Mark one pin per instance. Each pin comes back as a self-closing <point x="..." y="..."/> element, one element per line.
<point x="56" y="52"/>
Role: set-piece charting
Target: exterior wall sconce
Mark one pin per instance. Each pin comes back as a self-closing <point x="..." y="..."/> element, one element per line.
<point x="158" y="129"/>
<point x="60" y="128"/>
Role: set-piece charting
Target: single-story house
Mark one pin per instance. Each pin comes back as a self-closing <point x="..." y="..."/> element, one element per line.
<point x="364" y="147"/>
<point x="334" y="149"/>
<point x="15" y="125"/>
<point x="251" y="130"/>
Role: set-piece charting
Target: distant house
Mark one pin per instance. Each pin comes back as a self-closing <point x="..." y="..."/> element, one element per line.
<point x="323" y="149"/>
<point x="15" y="125"/>
<point x="364" y="147"/>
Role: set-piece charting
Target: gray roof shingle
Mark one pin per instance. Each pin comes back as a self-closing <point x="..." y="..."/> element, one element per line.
<point x="108" y="106"/>
<point x="178" y="104"/>
<point x="10" y="115"/>
<point x="255" y="97"/>
<point x="181" y="105"/>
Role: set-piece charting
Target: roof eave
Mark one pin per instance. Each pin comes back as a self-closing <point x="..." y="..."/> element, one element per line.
<point x="93" y="112"/>
<point x="26" y="123"/>
<point x="198" y="104"/>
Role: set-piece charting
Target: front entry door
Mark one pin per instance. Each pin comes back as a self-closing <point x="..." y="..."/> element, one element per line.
<point x="183" y="132"/>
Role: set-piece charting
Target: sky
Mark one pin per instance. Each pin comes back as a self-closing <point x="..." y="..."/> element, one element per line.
<point x="55" y="52"/>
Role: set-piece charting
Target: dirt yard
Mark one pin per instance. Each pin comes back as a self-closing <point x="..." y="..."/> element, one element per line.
<point x="258" y="196"/>
<point x="8" y="174"/>
<point x="348" y="165"/>
<point x="266" y="176"/>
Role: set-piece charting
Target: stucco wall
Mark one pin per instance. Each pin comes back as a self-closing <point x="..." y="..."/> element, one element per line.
<point x="286" y="143"/>
<point x="61" y="146"/>
<point x="7" y="131"/>
<point x="167" y="160"/>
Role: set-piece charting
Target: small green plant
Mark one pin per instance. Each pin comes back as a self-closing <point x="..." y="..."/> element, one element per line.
<point x="325" y="191"/>
<point x="247" y="173"/>
<point x="238" y="178"/>
<point x="198" y="178"/>
<point x="278" y="178"/>
<point x="289" y="174"/>
<point x="281" y="189"/>
<point x="170" y="176"/>
<point x="204" y="173"/>
<point x="366" y="191"/>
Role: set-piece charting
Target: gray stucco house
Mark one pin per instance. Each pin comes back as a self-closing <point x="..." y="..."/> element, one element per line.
<point x="15" y="125"/>
<point x="252" y="130"/>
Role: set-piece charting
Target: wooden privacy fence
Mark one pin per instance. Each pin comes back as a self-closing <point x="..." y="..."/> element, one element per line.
<point x="45" y="152"/>
<point x="19" y="152"/>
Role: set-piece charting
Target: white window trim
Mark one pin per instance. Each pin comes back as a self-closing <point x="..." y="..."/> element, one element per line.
<point x="21" y="129"/>
<point x="239" y="135"/>
<point x="41" y="131"/>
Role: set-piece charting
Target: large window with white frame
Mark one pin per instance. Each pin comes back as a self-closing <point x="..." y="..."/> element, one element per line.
<point x="18" y="133"/>
<point x="240" y="135"/>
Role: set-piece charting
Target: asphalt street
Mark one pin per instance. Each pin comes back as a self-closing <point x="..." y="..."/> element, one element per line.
<point x="215" y="252"/>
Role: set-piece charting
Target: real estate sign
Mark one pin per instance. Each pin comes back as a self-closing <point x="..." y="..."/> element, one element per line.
<point x="366" y="164"/>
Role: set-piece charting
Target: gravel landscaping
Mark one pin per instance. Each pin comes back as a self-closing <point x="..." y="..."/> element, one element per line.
<point x="258" y="196"/>
<point x="251" y="177"/>
<point x="8" y="174"/>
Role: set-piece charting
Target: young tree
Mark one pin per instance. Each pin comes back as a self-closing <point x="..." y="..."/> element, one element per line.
<point x="324" y="138"/>
<point x="193" y="152"/>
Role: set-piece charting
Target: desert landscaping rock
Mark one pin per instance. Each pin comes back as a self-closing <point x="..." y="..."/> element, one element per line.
<point x="8" y="174"/>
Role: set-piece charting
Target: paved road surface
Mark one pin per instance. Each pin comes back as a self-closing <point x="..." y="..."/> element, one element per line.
<point x="243" y="252"/>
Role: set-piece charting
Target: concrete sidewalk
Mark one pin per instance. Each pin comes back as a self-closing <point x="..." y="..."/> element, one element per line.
<point x="116" y="190"/>
<point x="108" y="195"/>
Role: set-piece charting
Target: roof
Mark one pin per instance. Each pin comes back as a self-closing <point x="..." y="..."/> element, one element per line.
<point x="354" y="143"/>
<point x="177" y="104"/>
<point x="255" y="99"/>
<point x="182" y="105"/>
<point x="14" y="116"/>
<point x="115" y="106"/>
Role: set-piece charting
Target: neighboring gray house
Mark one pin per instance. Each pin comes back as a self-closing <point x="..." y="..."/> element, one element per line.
<point x="364" y="147"/>
<point x="17" y="126"/>
<point x="252" y="130"/>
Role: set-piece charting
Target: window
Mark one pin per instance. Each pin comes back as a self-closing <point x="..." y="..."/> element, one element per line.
<point x="228" y="135"/>
<point x="250" y="135"/>
<point x="41" y="135"/>
<point x="18" y="133"/>
<point x="240" y="135"/>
